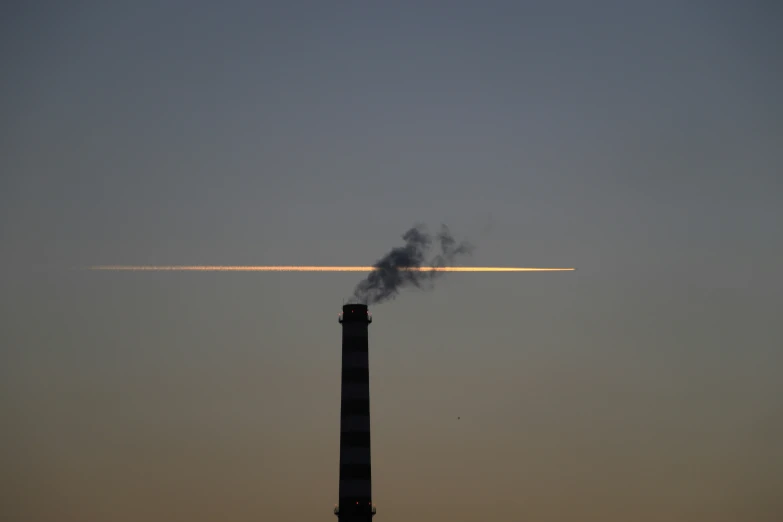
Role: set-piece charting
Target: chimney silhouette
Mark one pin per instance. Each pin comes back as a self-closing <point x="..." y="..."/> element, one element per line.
<point x="355" y="494"/>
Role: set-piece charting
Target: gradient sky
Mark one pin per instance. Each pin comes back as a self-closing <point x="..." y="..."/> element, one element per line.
<point x="639" y="142"/>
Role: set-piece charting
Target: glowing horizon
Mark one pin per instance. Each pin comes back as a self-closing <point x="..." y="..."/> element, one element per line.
<point x="295" y="268"/>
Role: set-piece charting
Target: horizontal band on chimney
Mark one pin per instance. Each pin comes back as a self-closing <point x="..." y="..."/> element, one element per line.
<point x="351" y="455"/>
<point x="354" y="439"/>
<point x="361" y="506"/>
<point x="356" y="360"/>
<point x="353" y="326"/>
<point x="355" y="391"/>
<point x="355" y="488"/>
<point x="355" y="423"/>
<point x="355" y="348"/>
<point x="355" y="472"/>
<point x="352" y="407"/>
<point x="356" y="376"/>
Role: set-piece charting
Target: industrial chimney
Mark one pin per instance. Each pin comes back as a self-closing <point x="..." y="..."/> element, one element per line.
<point x="355" y="494"/>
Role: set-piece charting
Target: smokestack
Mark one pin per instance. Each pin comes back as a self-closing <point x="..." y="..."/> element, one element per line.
<point x="355" y="495"/>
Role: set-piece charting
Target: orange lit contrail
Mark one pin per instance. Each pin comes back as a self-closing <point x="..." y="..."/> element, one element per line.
<point x="284" y="268"/>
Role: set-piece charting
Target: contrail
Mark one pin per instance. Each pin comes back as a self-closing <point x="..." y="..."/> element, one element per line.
<point x="403" y="266"/>
<point x="297" y="268"/>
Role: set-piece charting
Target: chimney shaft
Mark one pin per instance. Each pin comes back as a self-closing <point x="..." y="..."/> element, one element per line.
<point x="355" y="494"/>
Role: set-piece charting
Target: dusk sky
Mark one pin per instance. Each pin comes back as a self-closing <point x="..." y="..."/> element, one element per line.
<point x="640" y="142"/>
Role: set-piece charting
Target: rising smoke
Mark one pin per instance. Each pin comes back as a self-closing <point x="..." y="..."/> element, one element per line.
<point x="389" y="276"/>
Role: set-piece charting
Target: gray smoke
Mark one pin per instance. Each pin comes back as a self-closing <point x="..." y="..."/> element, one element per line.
<point x="386" y="281"/>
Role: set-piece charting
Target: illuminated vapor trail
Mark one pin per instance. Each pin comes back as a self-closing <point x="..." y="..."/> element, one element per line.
<point x="284" y="268"/>
<point x="406" y="266"/>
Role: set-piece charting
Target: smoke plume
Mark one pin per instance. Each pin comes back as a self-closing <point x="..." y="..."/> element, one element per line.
<point x="389" y="276"/>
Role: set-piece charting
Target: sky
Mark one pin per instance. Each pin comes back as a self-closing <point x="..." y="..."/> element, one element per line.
<point x="640" y="142"/>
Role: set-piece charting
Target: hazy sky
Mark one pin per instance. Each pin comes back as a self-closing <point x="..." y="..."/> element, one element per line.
<point x="639" y="142"/>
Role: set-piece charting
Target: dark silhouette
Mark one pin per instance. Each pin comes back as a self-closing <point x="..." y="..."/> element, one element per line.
<point x="355" y="493"/>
